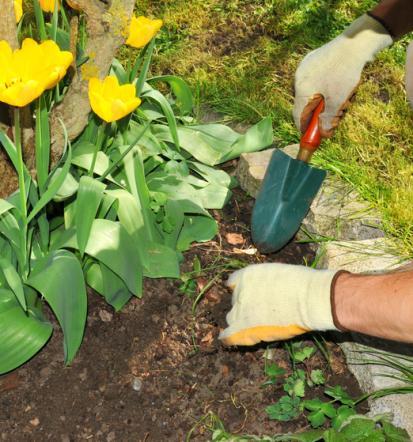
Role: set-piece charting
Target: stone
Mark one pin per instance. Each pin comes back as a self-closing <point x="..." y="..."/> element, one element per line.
<point x="372" y="256"/>
<point x="251" y="170"/>
<point x="338" y="212"/>
<point x="365" y="256"/>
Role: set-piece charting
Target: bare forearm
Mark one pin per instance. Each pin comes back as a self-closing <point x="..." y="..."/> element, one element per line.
<point x="377" y="305"/>
<point x="395" y="15"/>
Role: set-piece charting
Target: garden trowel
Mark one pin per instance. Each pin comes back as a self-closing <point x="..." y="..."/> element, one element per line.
<point x="288" y="188"/>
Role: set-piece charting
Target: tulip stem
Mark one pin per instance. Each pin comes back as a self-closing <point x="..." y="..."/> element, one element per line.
<point x="111" y="168"/>
<point x="98" y="146"/>
<point x="22" y="186"/>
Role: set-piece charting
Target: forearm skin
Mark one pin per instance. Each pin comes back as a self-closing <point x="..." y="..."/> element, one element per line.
<point x="376" y="305"/>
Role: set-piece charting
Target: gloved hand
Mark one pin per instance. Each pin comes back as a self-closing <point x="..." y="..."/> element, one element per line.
<point x="272" y="302"/>
<point x="333" y="71"/>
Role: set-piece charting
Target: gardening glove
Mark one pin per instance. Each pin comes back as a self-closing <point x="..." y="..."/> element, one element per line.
<point x="333" y="72"/>
<point x="272" y="302"/>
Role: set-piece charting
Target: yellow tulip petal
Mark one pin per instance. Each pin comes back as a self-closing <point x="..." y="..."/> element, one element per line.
<point x="29" y="70"/>
<point x="110" y="87"/>
<point x="48" y="5"/>
<point x="18" y="10"/>
<point x="118" y="109"/>
<point x="111" y="101"/>
<point x="21" y="94"/>
<point x="142" y="30"/>
<point x="100" y="106"/>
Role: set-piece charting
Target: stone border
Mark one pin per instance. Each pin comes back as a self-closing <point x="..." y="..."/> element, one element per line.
<point x="351" y="240"/>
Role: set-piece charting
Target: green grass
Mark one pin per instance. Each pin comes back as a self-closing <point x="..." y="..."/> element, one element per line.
<point x="240" y="57"/>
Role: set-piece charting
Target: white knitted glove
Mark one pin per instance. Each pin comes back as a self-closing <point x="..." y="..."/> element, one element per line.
<point x="333" y="71"/>
<point x="272" y="302"/>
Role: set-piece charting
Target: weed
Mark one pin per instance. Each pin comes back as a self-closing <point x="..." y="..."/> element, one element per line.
<point x="190" y="280"/>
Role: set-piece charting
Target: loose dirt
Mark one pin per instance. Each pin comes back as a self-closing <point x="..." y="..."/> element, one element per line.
<point x="156" y="371"/>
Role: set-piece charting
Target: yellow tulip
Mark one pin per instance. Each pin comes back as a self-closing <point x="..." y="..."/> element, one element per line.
<point x="110" y="100"/>
<point x="18" y="9"/>
<point x="142" y="30"/>
<point x="48" y="5"/>
<point x="27" y="72"/>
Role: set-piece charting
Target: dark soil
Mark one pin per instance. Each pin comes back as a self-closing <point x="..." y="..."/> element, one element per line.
<point x="154" y="370"/>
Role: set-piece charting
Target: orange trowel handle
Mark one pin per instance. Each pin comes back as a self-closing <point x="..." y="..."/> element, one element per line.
<point x="311" y="139"/>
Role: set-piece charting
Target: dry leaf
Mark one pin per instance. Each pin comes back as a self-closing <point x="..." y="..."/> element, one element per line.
<point x="235" y="239"/>
<point x="250" y="251"/>
<point x="208" y="338"/>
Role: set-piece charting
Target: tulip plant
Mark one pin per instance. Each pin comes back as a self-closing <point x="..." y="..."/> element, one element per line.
<point x="127" y="197"/>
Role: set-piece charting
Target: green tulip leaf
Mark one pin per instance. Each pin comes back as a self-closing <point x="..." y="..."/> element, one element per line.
<point x="108" y="284"/>
<point x="22" y="334"/>
<point x="83" y="157"/>
<point x="14" y="281"/>
<point x="110" y="244"/>
<point x="196" y="228"/>
<point x="59" y="279"/>
<point x="55" y="183"/>
<point x="155" y="96"/>
<point x="180" y="89"/>
<point x="89" y="197"/>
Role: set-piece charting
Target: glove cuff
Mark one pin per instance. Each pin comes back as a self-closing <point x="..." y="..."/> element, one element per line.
<point x="333" y="302"/>
<point x="316" y="312"/>
<point x="368" y="36"/>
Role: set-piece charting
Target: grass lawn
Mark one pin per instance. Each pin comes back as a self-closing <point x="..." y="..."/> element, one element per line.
<point x="240" y="57"/>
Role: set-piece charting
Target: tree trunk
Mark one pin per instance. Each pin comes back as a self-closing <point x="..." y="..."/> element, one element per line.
<point x="107" y="28"/>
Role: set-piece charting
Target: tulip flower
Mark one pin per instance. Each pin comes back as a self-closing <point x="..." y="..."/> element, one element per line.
<point x="18" y="9"/>
<point x="27" y="72"/>
<point x="48" y="5"/>
<point x="110" y="100"/>
<point x="142" y="30"/>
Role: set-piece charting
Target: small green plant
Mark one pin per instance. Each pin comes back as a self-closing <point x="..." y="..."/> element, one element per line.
<point x="217" y="268"/>
<point x="292" y="405"/>
<point x="356" y="428"/>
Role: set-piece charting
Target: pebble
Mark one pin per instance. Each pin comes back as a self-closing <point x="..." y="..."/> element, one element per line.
<point x="105" y="316"/>
<point x="83" y="375"/>
<point x="137" y="384"/>
<point x="35" y="422"/>
<point x="111" y="437"/>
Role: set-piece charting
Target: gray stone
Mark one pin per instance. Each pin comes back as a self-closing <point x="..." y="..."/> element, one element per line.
<point x="251" y="170"/>
<point x="338" y="212"/>
<point x="365" y="256"/>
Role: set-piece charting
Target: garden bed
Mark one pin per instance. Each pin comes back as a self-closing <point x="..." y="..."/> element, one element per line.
<point x="153" y="371"/>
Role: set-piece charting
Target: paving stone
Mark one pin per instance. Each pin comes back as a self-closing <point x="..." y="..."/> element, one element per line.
<point x="251" y="170"/>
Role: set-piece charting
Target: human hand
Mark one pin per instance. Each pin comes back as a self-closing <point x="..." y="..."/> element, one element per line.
<point x="333" y="72"/>
<point x="273" y="302"/>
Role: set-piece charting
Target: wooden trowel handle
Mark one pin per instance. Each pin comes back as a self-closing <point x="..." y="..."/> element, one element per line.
<point x="311" y="139"/>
